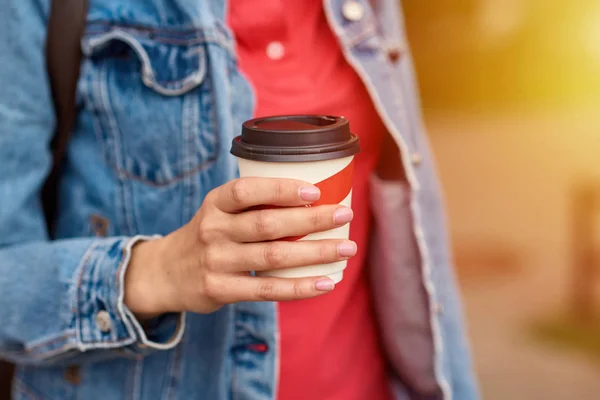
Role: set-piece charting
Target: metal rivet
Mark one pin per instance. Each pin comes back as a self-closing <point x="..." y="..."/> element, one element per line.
<point x="394" y="53"/>
<point x="416" y="159"/>
<point x="353" y="10"/>
<point x="72" y="375"/>
<point x="99" y="225"/>
<point x="103" y="322"/>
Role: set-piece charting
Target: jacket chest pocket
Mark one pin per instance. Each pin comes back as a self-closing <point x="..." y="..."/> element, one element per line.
<point x="149" y="100"/>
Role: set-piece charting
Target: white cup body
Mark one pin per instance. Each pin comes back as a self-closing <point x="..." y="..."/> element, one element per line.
<point x="312" y="172"/>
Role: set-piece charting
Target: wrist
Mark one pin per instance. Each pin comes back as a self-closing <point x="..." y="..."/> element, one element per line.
<point x="146" y="284"/>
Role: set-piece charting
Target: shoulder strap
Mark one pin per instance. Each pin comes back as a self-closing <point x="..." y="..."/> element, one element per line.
<point x="66" y="26"/>
<point x="63" y="56"/>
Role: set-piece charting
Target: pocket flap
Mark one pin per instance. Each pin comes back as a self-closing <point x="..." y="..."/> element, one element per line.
<point x="170" y="66"/>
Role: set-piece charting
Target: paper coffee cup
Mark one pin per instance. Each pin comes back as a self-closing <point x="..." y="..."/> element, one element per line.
<point x="313" y="148"/>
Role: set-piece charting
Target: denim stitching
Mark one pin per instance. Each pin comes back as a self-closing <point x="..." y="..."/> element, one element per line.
<point x="138" y="368"/>
<point x="426" y="269"/>
<point x="40" y="355"/>
<point x="175" y="367"/>
<point x="116" y="161"/>
<point x="185" y="147"/>
<point x="48" y="355"/>
<point x="401" y="104"/>
<point x="234" y="382"/>
<point x="80" y="270"/>
<point x="48" y="341"/>
<point x="94" y="343"/>
<point x="107" y="122"/>
<point x="148" y="74"/>
<point x="437" y="340"/>
<point x="20" y="386"/>
<point x="217" y="128"/>
<point x="368" y="32"/>
<point x="162" y="16"/>
<point x="94" y="90"/>
<point x="116" y="132"/>
<point x="135" y="211"/>
<point x="123" y="174"/>
<point x="88" y="90"/>
<point x="190" y="126"/>
<point x="176" y="42"/>
<point x="130" y="379"/>
<point x="199" y="36"/>
<point x="103" y="25"/>
<point x="99" y="83"/>
<point x="119" y="284"/>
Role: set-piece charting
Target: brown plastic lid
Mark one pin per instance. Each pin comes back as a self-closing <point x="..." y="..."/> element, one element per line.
<point x="295" y="138"/>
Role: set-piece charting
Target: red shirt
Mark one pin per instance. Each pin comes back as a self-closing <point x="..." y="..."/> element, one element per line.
<point x="329" y="345"/>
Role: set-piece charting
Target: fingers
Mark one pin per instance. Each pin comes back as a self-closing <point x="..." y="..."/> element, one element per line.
<point x="243" y="193"/>
<point x="227" y="289"/>
<point x="278" y="255"/>
<point x="272" y="224"/>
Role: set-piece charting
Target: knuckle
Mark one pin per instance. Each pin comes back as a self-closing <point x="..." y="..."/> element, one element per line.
<point x="323" y="253"/>
<point x="315" y="218"/>
<point x="266" y="291"/>
<point x="210" y="230"/>
<point x="279" y="190"/>
<point x="212" y="258"/>
<point x="210" y="288"/>
<point x="211" y="226"/>
<point x="204" y="232"/>
<point x="265" y="223"/>
<point x="240" y="192"/>
<point x="211" y="197"/>
<point x="274" y="255"/>
<point x="298" y="290"/>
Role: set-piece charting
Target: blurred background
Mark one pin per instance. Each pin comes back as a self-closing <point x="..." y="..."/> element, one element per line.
<point x="511" y="95"/>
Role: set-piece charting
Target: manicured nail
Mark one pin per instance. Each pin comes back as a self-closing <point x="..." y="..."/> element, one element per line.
<point x="342" y="216"/>
<point x="324" y="285"/>
<point x="310" y="193"/>
<point x="347" y="249"/>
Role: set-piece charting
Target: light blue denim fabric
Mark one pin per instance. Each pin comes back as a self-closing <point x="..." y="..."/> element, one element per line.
<point x="160" y="99"/>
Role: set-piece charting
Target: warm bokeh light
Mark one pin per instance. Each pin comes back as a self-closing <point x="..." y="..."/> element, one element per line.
<point x="506" y="53"/>
<point x="510" y="90"/>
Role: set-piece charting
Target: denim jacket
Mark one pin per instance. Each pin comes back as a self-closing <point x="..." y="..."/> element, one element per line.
<point x="160" y="98"/>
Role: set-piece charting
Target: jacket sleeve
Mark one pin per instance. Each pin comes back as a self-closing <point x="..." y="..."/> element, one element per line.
<point x="59" y="300"/>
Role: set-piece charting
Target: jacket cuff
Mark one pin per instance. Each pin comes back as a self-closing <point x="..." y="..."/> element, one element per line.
<point x="161" y="333"/>
<point x="102" y="320"/>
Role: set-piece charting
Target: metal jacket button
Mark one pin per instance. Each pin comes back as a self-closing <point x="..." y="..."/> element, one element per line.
<point x="353" y="10"/>
<point x="103" y="322"/>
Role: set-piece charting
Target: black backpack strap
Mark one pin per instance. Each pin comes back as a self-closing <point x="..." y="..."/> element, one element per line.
<point x="66" y="26"/>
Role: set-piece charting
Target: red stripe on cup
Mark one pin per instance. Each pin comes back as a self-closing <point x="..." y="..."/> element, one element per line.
<point x="333" y="191"/>
<point x="335" y="188"/>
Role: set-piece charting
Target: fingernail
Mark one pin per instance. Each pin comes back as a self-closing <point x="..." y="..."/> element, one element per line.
<point x="310" y="193"/>
<point x="342" y="216"/>
<point x="324" y="285"/>
<point x="347" y="249"/>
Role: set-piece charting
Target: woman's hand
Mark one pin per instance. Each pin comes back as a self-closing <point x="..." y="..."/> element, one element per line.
<point x="206" y="263"/>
